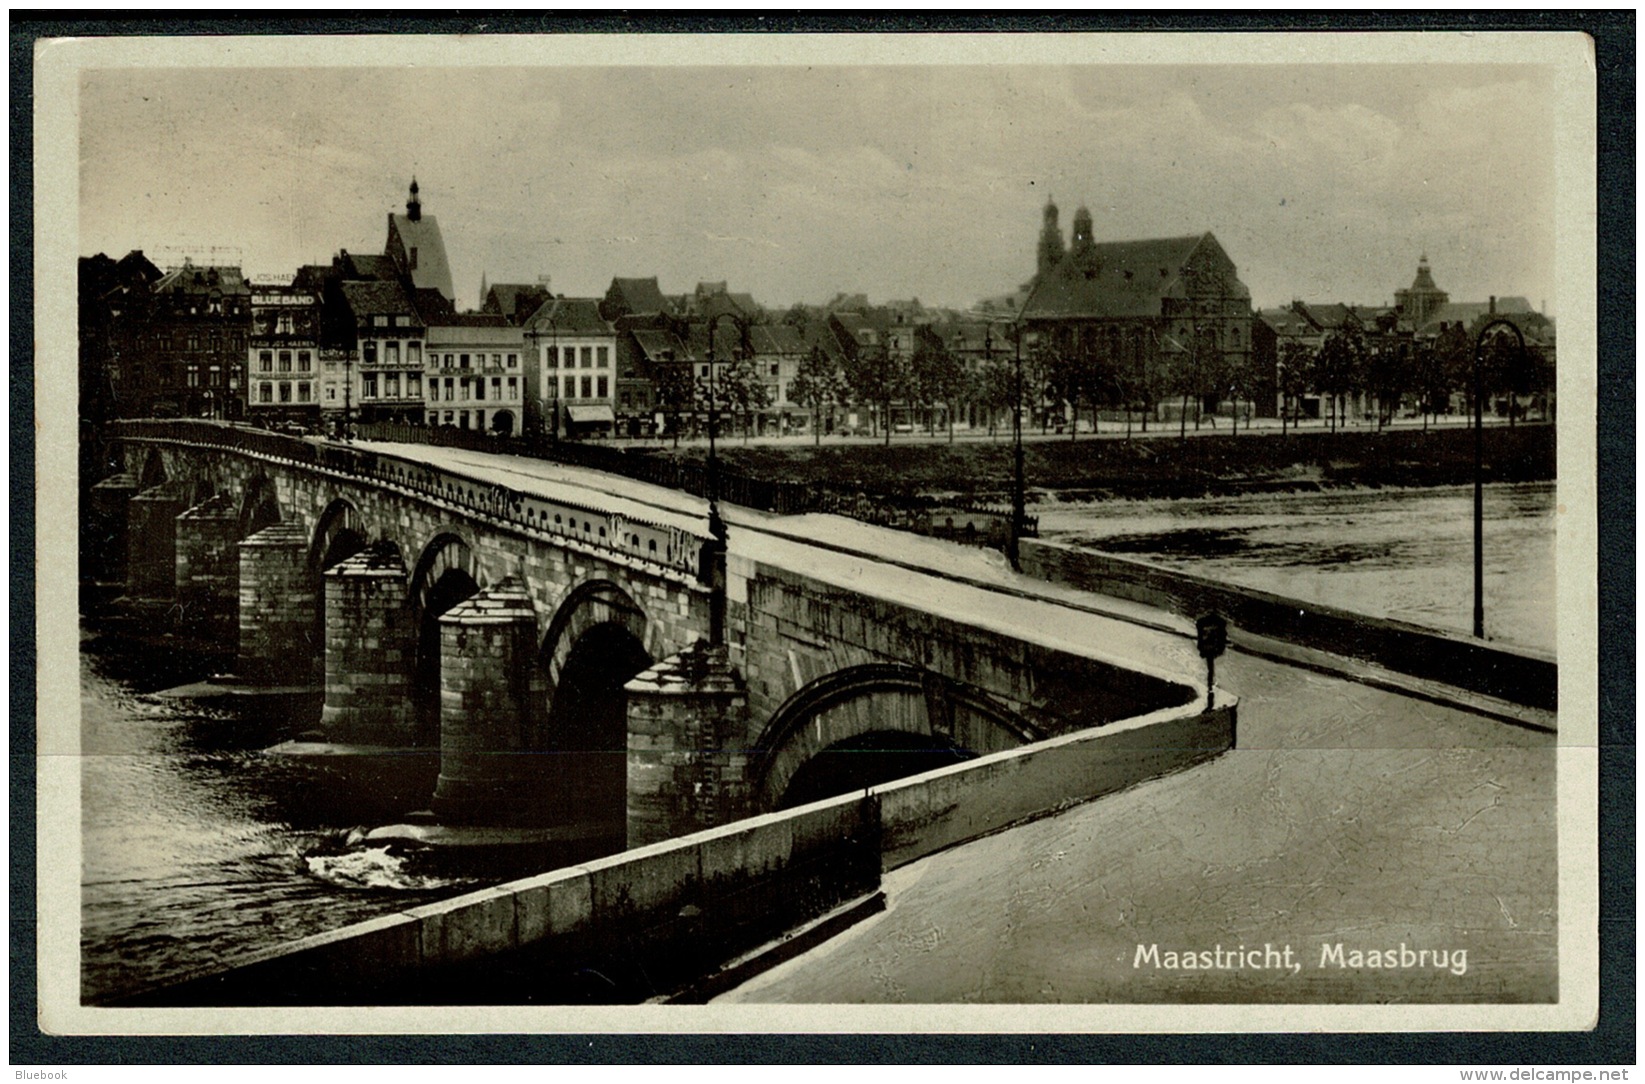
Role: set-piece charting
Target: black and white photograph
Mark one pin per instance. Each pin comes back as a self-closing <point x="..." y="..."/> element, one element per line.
<point x="898" y="533"/>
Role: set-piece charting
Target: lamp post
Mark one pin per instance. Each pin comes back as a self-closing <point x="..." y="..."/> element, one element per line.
<point x="1479" y="448"/>
<point x="715" y="550"/>
<point x="1018" y="497"/>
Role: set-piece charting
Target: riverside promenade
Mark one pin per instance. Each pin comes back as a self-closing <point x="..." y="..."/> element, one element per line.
<point x="1358" y="809"/>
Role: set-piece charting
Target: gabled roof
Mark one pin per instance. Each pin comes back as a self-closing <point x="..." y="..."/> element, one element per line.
<point x="203" y="279"/>
<point x="778" y="339"/>
<point x="432" y="304"/>
<point x="1287" y="322"/>
<point x="638" y="295"/>
<point x="657" y="345"/>
<point x="514" y="300"/>
<point x="356" y="265"/>
<point x="570" y="316"/>
<point x="423" y="234"/>
<point x="373" y="298"/>
<point x="1118" y="279"/>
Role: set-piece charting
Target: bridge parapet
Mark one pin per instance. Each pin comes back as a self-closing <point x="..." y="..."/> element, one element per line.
<point x="667" y="547"/>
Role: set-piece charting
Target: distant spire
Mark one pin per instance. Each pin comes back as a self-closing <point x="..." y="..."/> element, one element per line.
<point x="1051" y="250"/>
<point x="484" y="289"/>
<point x="414" y="206"/>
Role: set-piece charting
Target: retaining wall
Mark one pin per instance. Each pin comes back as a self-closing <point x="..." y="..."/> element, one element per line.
<point x="649" y="920"/>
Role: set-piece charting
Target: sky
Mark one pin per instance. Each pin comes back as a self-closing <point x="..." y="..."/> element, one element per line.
<point x="1322" y="182"/>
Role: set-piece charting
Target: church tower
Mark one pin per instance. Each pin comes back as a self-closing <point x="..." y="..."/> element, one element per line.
<point x="1423" y="299"/>
<point x="1051" y="249"/>
<point x="1084" y="244"/>
<point x="414" y="206"/>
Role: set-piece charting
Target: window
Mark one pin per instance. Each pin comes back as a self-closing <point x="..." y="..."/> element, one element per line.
<point x="451" y="393"/>
<point x="480" y="389"/>
<point x="434" y="391"/>
<point x="603" y="356"/>
<point x="513" y="387"/>
<point x="462" y="361"/>
<point x="402" y="321"/>
<point x="603" y="387"/>
<point x="774" y="369"/>
<point x="265" y="361"/>
<point x="705" y="372"/>
<point x="285" y="361"/>
<point x="391" y="386"/>
<point x="464" y="387"/>
<point x="368" y="386"/>
<point x="414" y="385"/>
<point x="450" y="417"/>
<point x="285" y="392"/>
<point x="514" y="361"/>
<point x="194" y="342"/>
<point x="571" y="387"/>
<point x="496" y="360"/>
<point x="379" y="321"/>
<point x="496" y="387"/>
<point x="193" y="377"/>
<point x="215" y="377"/>
<point x="305" y="361"/>
<point x="331" y="394"/>
<point x="391" y="353"/>
<point x="588" y="387"/>
<point x="551" y="358"/>
<point x="588" y="357"/>
<point x="368" y="352"/>
<point x="414" y="353"/>
<point x="282" y="324"/>
<point x="411" y="257"/>
<point x="265" y="393"/>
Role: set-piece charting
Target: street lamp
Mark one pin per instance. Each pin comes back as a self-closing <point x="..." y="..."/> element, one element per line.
<point x="1018" y="497"/>
<point x="715" y="551"/>
<point x="1479" y="488"/>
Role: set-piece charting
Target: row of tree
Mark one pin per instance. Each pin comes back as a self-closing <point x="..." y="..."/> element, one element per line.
<point x="934" y="385"/>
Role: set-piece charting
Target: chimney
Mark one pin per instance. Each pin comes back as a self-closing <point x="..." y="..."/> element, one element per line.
<point x="1493" y="304"/>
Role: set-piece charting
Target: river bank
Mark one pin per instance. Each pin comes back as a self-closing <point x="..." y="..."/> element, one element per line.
<point x="1158" y="465"/>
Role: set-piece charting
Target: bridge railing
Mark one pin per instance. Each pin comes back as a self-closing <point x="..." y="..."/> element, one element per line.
<point x="906" y="512"/>
<point x="635" y="538"/>
<point x="769" y="495"/>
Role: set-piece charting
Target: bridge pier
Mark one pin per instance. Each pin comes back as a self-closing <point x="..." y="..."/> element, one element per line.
<point x="277" y="603"/>
<point x="151" y="554"/>
<point x="687" y="765"/>
<point x="491" y="708"/>
<point x="370" y="643"/>
<point x="208" y="566"/>
<point x="107" y="534"/>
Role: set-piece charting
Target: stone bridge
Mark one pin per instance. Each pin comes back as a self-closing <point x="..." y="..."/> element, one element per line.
<point x="553" y="647"/>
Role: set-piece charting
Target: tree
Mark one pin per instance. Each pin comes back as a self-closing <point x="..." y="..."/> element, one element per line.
<point x="1296" y="375"/>
<point x="877" y="376"/>
<point x="938" y="376"/>
<point x="1340" y="368"/>
<point x="1389" y="375"/>
<point x="993" y="386"/>
<point x="676" y="392"/>
<point x="817" y="384"/>
<point x="1067" y="374"/>
<point x="1429" y="379"/>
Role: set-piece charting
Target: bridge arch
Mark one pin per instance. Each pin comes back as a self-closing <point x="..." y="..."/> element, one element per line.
<point x="339" y="534"/>
<point x="596" y="642"/>
<point x="871" y="723"/>
<point x="447" y="572"/>
<point x="259" y="505"/>
<point x="153" y="472"/>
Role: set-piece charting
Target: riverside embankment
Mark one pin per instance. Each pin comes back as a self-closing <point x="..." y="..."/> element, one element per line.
<point x="1159" y="464"/>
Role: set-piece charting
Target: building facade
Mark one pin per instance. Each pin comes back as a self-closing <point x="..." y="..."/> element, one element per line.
<point x="479" y="376"/>
<point x="283" y="357"/>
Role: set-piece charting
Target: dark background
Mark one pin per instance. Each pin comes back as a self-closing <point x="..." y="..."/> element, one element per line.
<point x="1612" y="1042"/>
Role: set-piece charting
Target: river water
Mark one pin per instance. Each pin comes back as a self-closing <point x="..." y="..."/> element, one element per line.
<point x="1405" y="554"/>
<point x="197" y="847"/>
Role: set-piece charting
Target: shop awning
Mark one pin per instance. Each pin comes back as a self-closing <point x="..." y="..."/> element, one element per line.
<point x="591" y="413"/>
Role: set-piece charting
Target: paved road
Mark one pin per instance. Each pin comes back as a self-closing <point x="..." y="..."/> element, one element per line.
<point x="1346" y="815"/>
<point x="1350" y="813"/>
